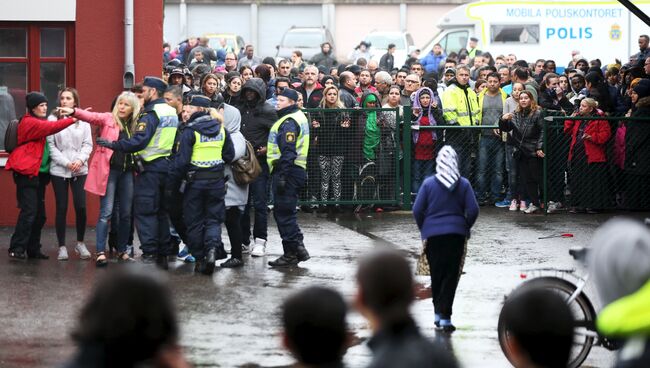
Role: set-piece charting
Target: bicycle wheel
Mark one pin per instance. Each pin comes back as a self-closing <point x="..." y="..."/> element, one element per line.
<point x="581" y="308"/>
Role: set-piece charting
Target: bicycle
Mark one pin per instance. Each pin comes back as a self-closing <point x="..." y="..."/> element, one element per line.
<point x="571" y="287"/>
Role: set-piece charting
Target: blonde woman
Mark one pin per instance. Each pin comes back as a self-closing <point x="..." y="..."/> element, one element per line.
<point x="111" y="173"/>
<point x="332" y="130"/>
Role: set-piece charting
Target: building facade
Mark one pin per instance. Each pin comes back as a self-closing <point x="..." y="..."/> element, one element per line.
<point x="47" y="45"/>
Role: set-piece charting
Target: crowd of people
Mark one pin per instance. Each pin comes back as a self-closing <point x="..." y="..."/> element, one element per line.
<point x="205" y="145"/>
<point x="356" y="156"/>
<point x="351" y="142"/>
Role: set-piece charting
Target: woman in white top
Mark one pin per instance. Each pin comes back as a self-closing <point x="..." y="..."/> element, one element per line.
<point x="69" y="153"/>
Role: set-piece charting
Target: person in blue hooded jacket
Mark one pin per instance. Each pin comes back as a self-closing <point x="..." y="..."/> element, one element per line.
<point x="205" y="147"/>
<point x="445" y="210"/>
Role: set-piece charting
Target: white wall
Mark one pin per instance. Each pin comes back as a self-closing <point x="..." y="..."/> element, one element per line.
<point x="34" y="10"/>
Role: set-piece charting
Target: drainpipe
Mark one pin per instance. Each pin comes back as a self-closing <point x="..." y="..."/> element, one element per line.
<point x="129" y="66"/>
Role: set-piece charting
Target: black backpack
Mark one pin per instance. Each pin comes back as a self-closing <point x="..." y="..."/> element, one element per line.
<point x="11" y="135"/>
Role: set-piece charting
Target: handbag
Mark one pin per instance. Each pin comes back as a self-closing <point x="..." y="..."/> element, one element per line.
<point x="246" y="169"/>
<point x="422" y="267"/>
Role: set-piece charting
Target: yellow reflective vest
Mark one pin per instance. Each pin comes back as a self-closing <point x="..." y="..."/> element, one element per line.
<point x="302" y="142"/>
<point x="162" y="141"/>
<point x="458" y="109"/>
<point x="206" y="152"/>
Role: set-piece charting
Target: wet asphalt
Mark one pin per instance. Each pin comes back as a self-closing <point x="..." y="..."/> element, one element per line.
<point x="231" y="319"/>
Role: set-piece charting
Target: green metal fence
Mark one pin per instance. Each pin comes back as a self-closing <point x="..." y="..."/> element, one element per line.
<point x="385" y="174"/>
<point x="608" y="167"/>
<point x="352" y="164"/>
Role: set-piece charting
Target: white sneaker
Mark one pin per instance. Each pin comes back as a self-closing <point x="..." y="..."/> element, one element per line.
<point x="523" y="206"/>
<point x="531" y="209"/>
<point x="82" y="251"/>
<point x="63" y="254"/>
<point x="514" y="205"/>
<point x="259" y="248"/>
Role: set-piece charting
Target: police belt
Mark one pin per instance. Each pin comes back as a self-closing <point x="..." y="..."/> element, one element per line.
<point x="204" y="175"/>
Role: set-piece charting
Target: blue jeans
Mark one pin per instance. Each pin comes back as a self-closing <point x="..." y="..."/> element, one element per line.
<point x="421" y="170"/>
<point x="490" y="167"/>
<point x="258" y="199"/>
<point x="511" y="168"/>
<point x="120" y="184"/>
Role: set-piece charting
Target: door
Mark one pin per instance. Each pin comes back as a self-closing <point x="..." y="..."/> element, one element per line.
<point x="35" y="56"/>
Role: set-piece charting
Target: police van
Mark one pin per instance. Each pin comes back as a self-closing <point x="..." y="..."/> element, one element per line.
<point x="544" y="29"/>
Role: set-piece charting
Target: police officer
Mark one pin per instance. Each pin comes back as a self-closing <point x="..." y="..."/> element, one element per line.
<point x="152" y="142"/>
<point x="287" y="150"/>
<point x="205" y="147"/>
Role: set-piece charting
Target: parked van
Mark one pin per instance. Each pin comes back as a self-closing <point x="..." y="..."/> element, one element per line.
<point x="544" y="30"/>
<point x="379" y="41"/>
<point x="305" y="39"/>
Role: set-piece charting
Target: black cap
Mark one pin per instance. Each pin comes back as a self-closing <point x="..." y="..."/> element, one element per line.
<point x="642" y="88"/>
<point x="154" y="82"/>
<point x="177" y="71"/>
<point x="34" y="99"/>
<point x="290" y="94"/>
<point x="199" y="101"/>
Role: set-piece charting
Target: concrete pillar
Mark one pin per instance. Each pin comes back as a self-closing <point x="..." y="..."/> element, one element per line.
<point x="254" y="26"/>
<point x="402" y="17"/>
<point x="182" y="19"/>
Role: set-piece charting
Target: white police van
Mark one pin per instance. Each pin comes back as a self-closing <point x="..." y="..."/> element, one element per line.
<point x="544" y="29"/>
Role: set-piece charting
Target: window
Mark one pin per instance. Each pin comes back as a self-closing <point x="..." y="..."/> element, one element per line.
<point x="33" y="57"/>
<point x="515" y="33"/>
<point x="454" y="41"/>
<point x="409" y="40"/>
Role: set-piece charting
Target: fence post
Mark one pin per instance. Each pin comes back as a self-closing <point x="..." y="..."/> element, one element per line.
<point x="545" y="163"/>
<point x="406" y="142"/>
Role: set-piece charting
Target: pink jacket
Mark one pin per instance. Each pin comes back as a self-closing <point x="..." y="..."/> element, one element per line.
<point x="100" y="162"/>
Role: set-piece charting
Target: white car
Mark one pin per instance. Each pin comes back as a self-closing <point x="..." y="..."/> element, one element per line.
<point x="379" y="41"/>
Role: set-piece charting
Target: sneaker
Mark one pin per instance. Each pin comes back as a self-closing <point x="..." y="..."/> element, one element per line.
<point x="189" y="259"/>
<point x="245" y="248"/>
<point x="131" y="250"/>
<point x="63" y="254"/>
<point x="555" y="207"/>
<point x="514" y="205"/>
<point x="531" y="209"/>
<point x="259" y="248"/>
<point x="232" y="263"/>
<point x="82" y="251"/>
<point x="523" y="206"/>
<point x="183" y="253"/>
<point x="502" y="204"/>
<point x="446" y="326"/>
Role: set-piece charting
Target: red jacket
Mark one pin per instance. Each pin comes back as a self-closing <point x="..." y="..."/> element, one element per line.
<point x="26" y="158"/>
<point x="599" y="131"/>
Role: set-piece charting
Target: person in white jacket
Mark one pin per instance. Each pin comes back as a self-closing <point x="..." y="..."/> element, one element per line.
<point x="69" y="153"/>
<point x="236" y="195"/>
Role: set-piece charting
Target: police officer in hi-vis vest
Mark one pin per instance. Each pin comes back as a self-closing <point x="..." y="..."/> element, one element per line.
<point x="287" y="158"/>
<point x="152" y="144"/>
<point x="204" y="148"/>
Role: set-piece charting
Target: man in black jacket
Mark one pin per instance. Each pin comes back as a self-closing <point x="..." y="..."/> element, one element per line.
<point x="387" y="60"/>
<point x="257" y="118"/>
<point x="347" y="83"/>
